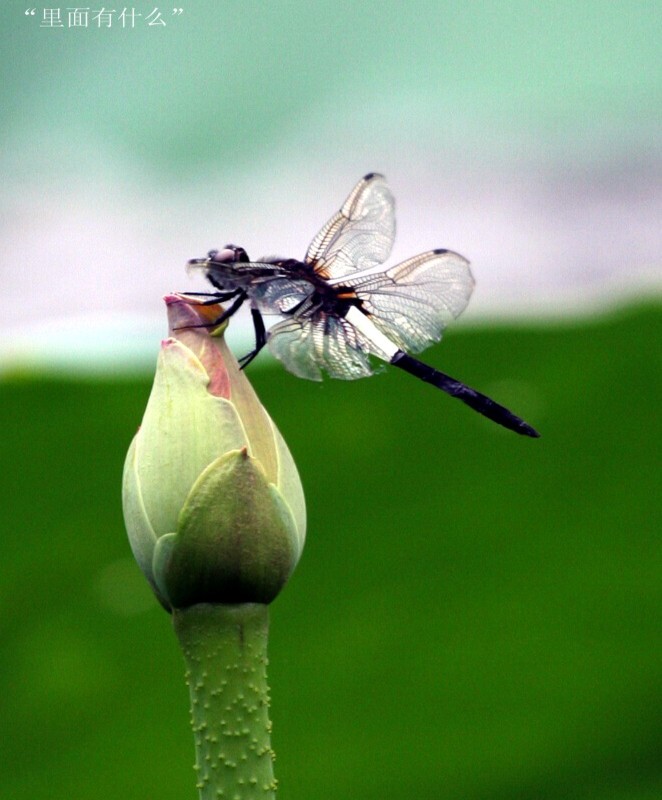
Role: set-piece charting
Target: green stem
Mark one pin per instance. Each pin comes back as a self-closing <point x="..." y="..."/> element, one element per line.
<point x="225" y="649"/>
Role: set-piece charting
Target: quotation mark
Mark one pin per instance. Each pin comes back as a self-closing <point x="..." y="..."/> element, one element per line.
<point x="30" y="12"/>
<point x="177" y="11"/>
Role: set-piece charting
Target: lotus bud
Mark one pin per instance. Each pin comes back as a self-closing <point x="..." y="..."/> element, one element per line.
<point x="213" y="503"/>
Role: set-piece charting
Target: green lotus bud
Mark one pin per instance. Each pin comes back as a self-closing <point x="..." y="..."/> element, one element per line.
<point x="213" y="503"/>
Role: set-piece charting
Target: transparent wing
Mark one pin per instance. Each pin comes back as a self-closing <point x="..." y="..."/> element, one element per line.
<point x="279" y="294"/>
<point x="413" y="302"/>
<point x="360" y="235"/>
<point x="307" y="345"/>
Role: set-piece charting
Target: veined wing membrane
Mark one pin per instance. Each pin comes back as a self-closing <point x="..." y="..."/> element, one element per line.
<point x="413" y="302"/>
<point x="279" y="293"/>
<point x="360" y="235"/>
<point x="305" y="345"/>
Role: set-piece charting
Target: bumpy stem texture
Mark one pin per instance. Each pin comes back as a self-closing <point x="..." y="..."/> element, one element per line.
<point x="225" y="649"/>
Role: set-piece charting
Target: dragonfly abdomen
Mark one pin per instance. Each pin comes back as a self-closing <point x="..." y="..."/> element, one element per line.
<point x="479" y="402"/>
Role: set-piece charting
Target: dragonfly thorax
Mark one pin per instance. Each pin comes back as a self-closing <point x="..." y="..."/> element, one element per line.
<point x="335" y="300"/>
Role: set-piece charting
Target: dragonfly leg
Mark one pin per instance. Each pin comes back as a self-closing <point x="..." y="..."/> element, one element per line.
<point x="241" y="296"/>
<point x="260" y="338"/>
<point x="215" y="297"/>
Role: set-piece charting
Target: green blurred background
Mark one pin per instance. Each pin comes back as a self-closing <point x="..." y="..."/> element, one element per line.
<point x="476" y="616"/>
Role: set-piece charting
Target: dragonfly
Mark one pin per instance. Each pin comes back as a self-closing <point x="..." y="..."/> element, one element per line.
<point x="341" y="307"/>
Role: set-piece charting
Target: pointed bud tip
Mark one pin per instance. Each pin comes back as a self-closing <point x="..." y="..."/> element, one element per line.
<point x="186" y="312"/>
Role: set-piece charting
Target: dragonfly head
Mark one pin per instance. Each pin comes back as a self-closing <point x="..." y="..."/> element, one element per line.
<point x="218" y="266"/>
<point x="230" y="254"/>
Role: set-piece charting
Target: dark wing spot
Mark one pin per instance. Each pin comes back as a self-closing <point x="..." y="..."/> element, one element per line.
<point x="440" y="251"/>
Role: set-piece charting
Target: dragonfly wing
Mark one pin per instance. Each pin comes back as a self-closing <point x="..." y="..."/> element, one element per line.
<point x="413" y="302"/>
<point x="360" y="235"/>
<point x="279" y="294"/>
<point x="307" y="345"/>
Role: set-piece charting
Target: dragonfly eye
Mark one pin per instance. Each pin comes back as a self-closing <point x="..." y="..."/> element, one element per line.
<point x="230" y="254"/>
<point x="240" y="254"/>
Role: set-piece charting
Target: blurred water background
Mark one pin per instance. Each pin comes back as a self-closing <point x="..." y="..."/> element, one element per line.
<point x="526" y="137"/>
<point x="475" y="617"/>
